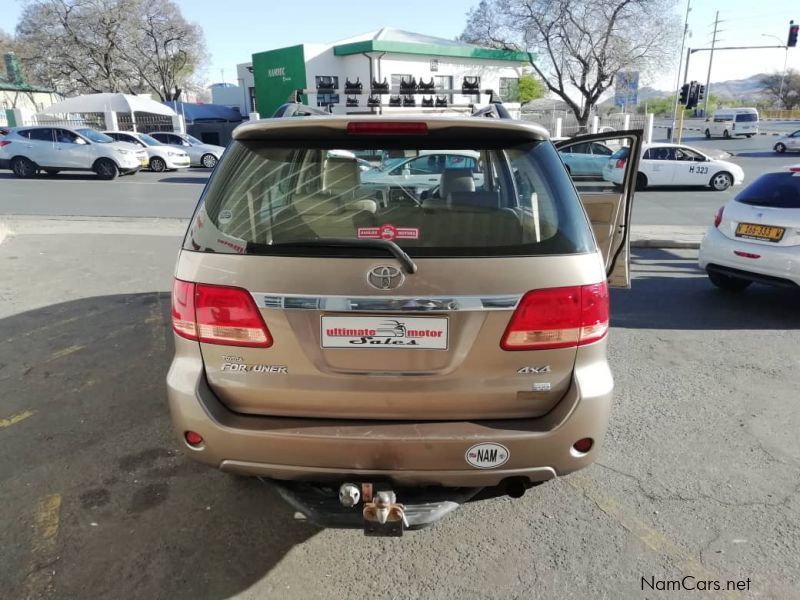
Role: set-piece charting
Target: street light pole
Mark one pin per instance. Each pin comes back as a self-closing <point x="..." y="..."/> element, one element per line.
<point x="710" y="61"/>
<point x="678" y="78"/>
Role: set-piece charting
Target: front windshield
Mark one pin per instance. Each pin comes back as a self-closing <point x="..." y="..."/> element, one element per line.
<point x="150" y="141"/>
<point x="95" y="136"/>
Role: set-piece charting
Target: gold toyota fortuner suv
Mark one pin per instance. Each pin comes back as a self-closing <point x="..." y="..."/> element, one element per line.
<point x="386" y="317"/>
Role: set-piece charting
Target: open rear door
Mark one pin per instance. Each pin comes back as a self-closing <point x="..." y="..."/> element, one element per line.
<point x="603" y="167"/>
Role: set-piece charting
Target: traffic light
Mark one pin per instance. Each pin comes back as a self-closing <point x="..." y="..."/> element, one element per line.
<point x="684" y="96"/>
<point x="701" y="92"/>
<point x="793" y="29"/>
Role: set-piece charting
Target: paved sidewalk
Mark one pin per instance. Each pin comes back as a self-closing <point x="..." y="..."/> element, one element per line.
<point x="642" y="236"/>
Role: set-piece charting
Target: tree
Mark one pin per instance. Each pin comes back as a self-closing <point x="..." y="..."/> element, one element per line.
<point x="581" y="45"/>
<point x="787" y="93"/>
<point x="87" y="46"/>
<point x="530" y="88"/>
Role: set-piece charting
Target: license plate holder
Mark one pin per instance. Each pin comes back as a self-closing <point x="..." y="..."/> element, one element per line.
<point x="381" y="332"/>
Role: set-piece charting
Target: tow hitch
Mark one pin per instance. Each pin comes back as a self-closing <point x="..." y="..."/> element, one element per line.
<point x="371" y="507"/>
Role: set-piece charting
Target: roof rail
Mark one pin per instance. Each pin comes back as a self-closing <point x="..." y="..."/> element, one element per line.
<point x="297" y="109"/>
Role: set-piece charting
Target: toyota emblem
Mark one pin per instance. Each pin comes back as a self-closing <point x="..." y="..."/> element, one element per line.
<point x="385" y="277"/>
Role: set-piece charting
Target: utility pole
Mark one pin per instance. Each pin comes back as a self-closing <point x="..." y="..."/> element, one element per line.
<point x="678" y="78"/>
<point x="710" y="61"/>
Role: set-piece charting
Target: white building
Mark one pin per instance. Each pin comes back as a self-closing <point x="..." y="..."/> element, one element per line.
<point x="387" y="54"/>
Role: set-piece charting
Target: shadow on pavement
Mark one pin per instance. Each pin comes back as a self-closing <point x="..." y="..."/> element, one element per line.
<point x="670" y="291"/>
<point x="202" y="180"/>
<point x="763" y="154"/>
<point x="137" y="519"/>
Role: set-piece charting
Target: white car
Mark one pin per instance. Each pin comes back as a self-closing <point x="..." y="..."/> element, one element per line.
<point x="674" y="164"/>
<point x="756" y="236"/>
<point x="786" y="143"/>
<point x="424" y="171"/>
<point x="160" y="157"/>
<point x="200" y="153"/>
<point x="29" y="150"/>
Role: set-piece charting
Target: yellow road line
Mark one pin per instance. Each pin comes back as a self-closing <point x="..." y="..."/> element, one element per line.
<point x="45" y="532"/>
<point x="64" y="352"/>
<point x="15" y="419"/>
<point x="650" y="537"/>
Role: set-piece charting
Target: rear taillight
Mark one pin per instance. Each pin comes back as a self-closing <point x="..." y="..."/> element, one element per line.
<point x="558" y="318"/>
<point x="216" y="314"/>
<point x="4" y="143"/>
<point x="718" y="216"/>
<point x="620" y="163"/>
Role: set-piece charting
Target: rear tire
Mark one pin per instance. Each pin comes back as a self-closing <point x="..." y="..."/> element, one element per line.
<point x="708" y="134"/>
<point x="721" y="181"/>
<point x="23" y="168"/>
<point x="780" y="148"/>
<point x="106" y="169"/>
<point x="158" y="165"/>
<point x="749" y="136"/>
<point x="52" y="171"/>
<point x="209" y="161"/>
<point x="726" y="134"/>
<point x="641" y="181"/>
<point x="727" y="282"/>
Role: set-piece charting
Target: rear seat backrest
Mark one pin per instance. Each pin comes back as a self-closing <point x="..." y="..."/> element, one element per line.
<point x="456" y="180"/>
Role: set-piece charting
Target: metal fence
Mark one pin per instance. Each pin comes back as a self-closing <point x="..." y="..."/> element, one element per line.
<point x="145" y="122"/>
<point x="3" y="119"/>
<point x="570" y="126"/>
<point x="94" y="120"/>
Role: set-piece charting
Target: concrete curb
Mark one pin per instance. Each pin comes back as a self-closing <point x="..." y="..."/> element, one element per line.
<point x="666" y="244"/>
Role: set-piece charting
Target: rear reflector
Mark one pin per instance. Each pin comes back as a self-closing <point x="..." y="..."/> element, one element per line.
<point x="387" y="128"/>
<point x="746" y="254"/>
<point x="583" y="445"/>
<point x="216" y="314"/>
<point x="193" y="438"/>
<point x="558" y="318"/>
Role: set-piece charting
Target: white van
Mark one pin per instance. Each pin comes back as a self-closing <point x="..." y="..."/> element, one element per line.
<point x="728" y="122"/>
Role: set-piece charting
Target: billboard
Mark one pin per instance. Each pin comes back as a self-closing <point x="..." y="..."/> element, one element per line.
<point x="627" y="88"/>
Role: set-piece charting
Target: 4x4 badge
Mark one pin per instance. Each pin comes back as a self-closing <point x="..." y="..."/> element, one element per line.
<point x="531" y="370"/>
<point x="385" y="277"/>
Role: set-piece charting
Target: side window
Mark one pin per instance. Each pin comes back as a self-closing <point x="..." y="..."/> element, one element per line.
<point x="662" y="153"/>
<point x="601" y="150"/>
<point x="66" y="137"/>
<point x="41" y="135"/>
<point x="646" y="155"/>
<point x="460" y="162"/>
<point x="425" y="165"/>
<point x="687" y="154"/>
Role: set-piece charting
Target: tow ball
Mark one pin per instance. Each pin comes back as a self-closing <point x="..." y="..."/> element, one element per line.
<point x="383" y="515"/>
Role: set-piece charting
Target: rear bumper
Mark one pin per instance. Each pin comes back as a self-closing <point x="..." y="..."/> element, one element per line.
<point x="402" y="452"/>
<point x="776" y="265"/>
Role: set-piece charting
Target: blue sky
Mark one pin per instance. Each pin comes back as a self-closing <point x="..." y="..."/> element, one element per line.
<point x="236" y="29"/>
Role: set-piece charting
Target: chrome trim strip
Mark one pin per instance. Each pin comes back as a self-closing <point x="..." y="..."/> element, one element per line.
<point x="395" y="304"/>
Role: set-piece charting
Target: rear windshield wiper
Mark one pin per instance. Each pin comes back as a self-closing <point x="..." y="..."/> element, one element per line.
<point x="408" y="265"/>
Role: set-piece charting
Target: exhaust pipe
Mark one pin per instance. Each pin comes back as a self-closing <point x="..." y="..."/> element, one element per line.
<point x="515" y="488"/>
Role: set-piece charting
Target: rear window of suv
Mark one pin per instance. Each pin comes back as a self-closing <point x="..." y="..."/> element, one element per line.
<point x="776" y="190"/>
<point x="451" y="202"/>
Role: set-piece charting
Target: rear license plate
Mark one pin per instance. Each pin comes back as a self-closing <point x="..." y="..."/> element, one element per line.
<point x="397" y="333"/>
<point x="766" y="233"/>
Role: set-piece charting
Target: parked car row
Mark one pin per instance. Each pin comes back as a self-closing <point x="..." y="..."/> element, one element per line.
<point x="28" y="151"/>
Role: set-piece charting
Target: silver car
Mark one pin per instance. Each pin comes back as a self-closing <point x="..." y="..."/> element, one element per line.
<point x="200" y="154"/>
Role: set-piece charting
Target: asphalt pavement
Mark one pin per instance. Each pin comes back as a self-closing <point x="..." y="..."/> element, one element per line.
<point x="699" y="474"/>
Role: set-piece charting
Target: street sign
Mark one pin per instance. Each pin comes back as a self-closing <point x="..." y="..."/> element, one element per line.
<point x="627" y="88"/>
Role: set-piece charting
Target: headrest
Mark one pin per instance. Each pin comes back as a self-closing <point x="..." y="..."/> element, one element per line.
<point x="318" y="205"/>
<point x="339" y="175"/>
<point x="456" y="180"/>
